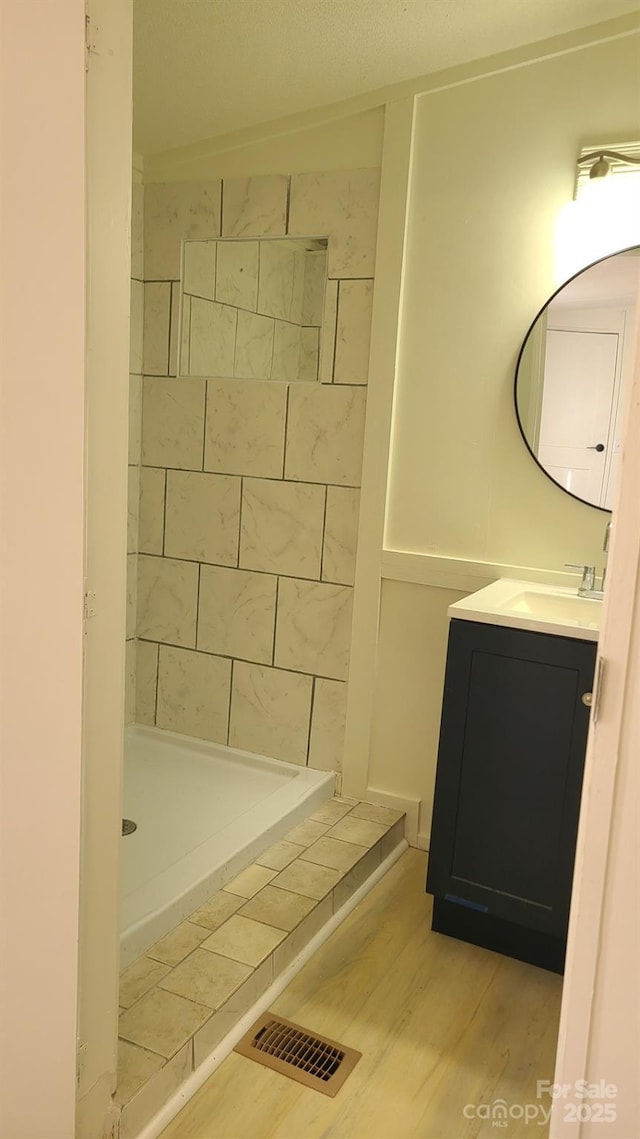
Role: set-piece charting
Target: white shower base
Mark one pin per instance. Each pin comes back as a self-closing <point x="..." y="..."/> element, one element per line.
<point x="204" y="811"/>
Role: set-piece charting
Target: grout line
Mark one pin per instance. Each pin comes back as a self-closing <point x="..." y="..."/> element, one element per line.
<point x="220" y="227"/>
<point x="214" y="285"/>
<point x="235" y="341"/>
<point x="197" y="630"/>
<point x="273" y="347"/>
<point x="174" y="304"/>
<point x="167" y="353"/>
<point x="249" y="569"/>
<point x="155" y="707"/>
<point x="287" y="206"/>
<point x="275" y="622"/>
<point x="324" y="532"/>
<point x="264" y="478"/>
<point x="242" y="478"/>
<point x="227" y="379"/>
<point x="241" y="660"/>
<point x="230" y="701"/>
<point x="250" y="312"/>
<point x="258" y="285"/>
<point x="187" y="351"/>
<point x="335" y="336"/>
<point x="311" y="707"/>
<point x="286" y="428"/>
<point x="164" y="514"/>
<point x="204" y="421"/>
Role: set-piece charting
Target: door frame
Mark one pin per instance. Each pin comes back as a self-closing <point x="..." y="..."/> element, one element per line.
<point x="599" y="993"/>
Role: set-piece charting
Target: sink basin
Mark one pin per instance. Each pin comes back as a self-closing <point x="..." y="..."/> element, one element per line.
<point x="530" y="605"/>
<point x="553" y="606"/>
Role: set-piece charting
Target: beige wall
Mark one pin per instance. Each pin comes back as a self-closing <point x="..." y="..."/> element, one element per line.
<point x="493" y="164"/>
<point x="493" y="167"/>
<point x="41" y="457"/>
<point x="413" y="641"/>
<point x="297" y="146"/>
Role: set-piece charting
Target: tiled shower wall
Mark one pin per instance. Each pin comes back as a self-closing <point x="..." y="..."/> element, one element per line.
<point x="249" y="489"/>
<point x="252" y="309"/>
<point x="135" y="427"/>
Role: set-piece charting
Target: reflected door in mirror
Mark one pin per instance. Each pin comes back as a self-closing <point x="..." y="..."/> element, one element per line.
<point x="579" y="385"/>
<point x="573" y="374"/>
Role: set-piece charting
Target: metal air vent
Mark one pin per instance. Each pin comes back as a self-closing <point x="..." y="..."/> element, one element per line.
<point x="288" y="1048"/>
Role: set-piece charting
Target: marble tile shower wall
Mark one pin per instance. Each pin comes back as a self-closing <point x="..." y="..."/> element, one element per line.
<point x="135" y="438"/>
<point x="249" y="489"/>
<point x="252" y="309"/>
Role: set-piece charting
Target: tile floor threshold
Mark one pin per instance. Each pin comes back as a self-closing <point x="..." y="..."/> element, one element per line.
<point x="182" y="997"/>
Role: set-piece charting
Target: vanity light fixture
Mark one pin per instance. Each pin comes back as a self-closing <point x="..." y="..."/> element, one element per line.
<point x="604" y="215"/>
<point x="602" y="164"/>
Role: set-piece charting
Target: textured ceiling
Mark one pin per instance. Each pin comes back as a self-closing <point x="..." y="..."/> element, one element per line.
<point x="208" y="67"/>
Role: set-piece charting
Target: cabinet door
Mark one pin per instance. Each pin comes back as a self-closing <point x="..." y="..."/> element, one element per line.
<point x="509" y="777"/>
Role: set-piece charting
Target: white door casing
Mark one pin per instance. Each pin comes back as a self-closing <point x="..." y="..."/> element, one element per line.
<point x="577" y="406"/>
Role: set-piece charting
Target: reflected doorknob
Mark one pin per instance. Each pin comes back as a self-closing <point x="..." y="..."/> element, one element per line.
<point x="596" y="447"/>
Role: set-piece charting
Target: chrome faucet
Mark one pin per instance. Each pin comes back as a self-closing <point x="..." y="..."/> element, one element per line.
<point x="605" y="547"/>
<point x="587" y="587"/>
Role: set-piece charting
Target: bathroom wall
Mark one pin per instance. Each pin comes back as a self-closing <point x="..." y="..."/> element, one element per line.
<point x="343" y="137"/>
<point x="135" y="436"/>
<point x="466" y="502"/>
<point x="252" y="309"/>
<point x="249" y="489"/>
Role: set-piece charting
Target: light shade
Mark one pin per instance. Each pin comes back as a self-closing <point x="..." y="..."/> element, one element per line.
<point x="604" y="219"/>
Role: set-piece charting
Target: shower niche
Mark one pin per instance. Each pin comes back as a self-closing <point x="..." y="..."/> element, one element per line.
<point x="252" y="308"/>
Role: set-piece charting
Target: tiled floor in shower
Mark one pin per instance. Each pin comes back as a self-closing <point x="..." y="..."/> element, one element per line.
<point x="189" y="989"/>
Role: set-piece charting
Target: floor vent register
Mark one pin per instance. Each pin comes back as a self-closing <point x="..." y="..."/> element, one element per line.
<point x="288" y="1048"/>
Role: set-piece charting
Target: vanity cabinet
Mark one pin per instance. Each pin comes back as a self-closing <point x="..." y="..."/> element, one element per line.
<point x="509" y="779"/>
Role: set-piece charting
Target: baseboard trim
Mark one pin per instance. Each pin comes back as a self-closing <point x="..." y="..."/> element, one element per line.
<point x="195" y="1081"/>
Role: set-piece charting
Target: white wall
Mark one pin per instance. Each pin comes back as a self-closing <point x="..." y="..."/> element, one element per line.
<point x="41" y="457"/>
<point x="493" y="164"/>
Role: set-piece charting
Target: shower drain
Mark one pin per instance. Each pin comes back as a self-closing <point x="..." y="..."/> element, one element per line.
<point x="128" y="826"/>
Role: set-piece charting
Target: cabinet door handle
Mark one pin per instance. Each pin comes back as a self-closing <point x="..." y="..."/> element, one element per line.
<point x="587" y="698"/>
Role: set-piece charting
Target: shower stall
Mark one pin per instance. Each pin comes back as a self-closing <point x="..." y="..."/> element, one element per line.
<point x="250" y="310"/>
<point x="202" y="812"/>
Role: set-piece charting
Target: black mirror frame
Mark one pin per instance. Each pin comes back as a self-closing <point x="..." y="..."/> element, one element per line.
<point x="604" y="509"/>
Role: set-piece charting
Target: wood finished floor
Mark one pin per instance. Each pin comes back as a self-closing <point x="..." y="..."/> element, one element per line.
<point x="441" y="1024"/>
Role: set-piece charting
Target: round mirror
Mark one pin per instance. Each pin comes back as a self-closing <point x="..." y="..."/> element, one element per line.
<point x="573" y="374"/>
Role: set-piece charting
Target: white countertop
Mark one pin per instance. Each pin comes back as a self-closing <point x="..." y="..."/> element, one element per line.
<point x="531" y="605"/>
